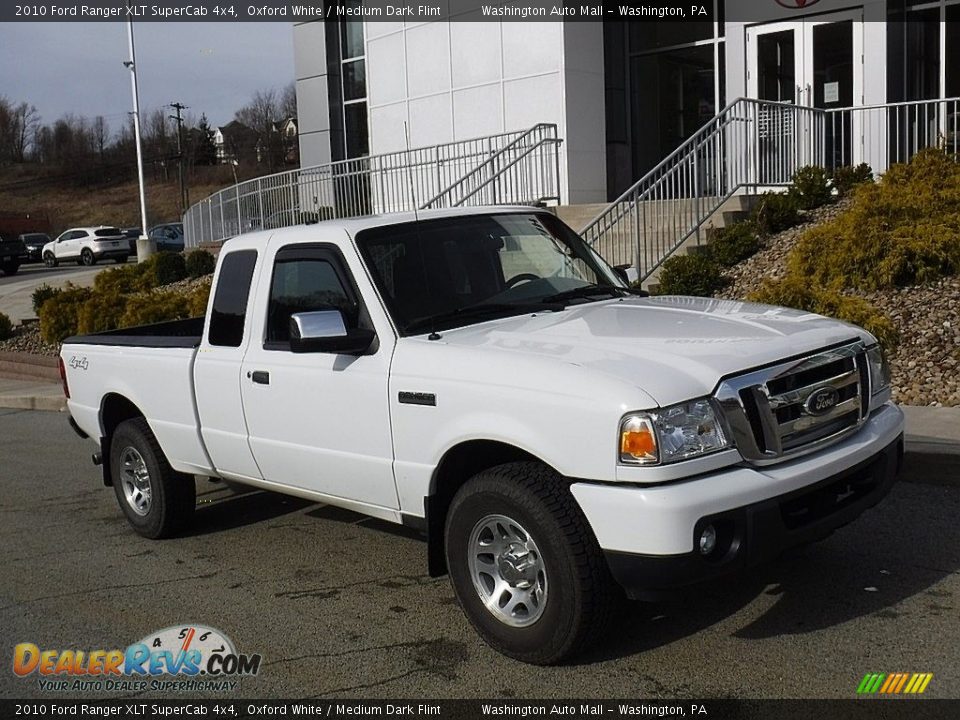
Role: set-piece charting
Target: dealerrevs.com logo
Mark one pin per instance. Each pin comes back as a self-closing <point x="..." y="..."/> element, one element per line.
<point x="179" y="658"/>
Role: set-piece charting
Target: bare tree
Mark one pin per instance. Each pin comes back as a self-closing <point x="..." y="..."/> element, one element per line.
<point x="101" y="134"/>
<point x="288" y="101"/>
<point x="260" y="115"/>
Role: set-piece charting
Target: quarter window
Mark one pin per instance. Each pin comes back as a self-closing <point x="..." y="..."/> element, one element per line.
<point x="230" y="302"/>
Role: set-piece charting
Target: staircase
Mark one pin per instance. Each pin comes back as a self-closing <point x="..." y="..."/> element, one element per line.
<point x="515" y="168"/>
<point x="751" y="146"/>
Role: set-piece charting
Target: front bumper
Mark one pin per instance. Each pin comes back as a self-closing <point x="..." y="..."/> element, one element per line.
<point x="649" y="535"/>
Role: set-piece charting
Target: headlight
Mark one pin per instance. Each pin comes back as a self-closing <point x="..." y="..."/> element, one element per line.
<point x="879" y="370"/>
<point x="675" y="433"/>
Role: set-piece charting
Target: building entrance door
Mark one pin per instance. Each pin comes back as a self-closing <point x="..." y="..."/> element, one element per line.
<point x="817" y="63"/>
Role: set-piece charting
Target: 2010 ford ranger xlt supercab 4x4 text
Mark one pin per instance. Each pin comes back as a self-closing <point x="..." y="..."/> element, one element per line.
<point x="484" y="376"/>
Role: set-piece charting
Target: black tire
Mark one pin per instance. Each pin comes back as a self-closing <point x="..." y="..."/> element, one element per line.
<point x="173" y="494"/>
<point x="11" y="268"/>
<point x="50" y="260"/>
<point x="87" y="258"/>
<point x="581" y="596"/>
<point x="121" y="260"/>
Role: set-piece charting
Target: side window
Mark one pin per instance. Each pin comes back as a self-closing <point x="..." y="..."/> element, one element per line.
<point x="303" y="283"/>
<point x="230" y="302"/>
<point x="79" y="234"/>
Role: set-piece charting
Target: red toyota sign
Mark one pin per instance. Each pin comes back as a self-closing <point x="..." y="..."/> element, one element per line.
<point x="797" y="4"/>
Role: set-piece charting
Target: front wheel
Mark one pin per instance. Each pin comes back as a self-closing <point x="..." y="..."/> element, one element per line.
<point x="157" y="500"/>
<point x="87" y="258"/>
<point x="49" y="260"/>
<point x="525" y="564"/>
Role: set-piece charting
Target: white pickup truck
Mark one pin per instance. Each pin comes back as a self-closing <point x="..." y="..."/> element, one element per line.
<point x="485" y="377"/>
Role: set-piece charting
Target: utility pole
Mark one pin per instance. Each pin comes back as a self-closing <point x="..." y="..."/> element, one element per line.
<point x="184" y="193"/>
<point x="143" y="244"/>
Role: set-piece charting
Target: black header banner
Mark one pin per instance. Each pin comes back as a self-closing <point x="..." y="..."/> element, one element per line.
<point x="140" y="708"/>
<point x="368" y="11"/>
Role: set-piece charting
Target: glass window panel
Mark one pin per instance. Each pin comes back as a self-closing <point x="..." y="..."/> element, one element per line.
<point x="776" y="66"/>
<point x="355" y="116"/>
<point x="303" y="286"/>
<point x="351" y="34"/>
<point x="652" y="34"/>
<point x="354" y="80"/>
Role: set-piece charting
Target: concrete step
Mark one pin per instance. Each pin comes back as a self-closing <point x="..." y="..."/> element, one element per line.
<point x="577" y="216"/>
<point x="27" y="366"/>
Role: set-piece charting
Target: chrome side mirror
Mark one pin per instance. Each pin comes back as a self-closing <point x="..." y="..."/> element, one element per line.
<point x="325" y="331"/>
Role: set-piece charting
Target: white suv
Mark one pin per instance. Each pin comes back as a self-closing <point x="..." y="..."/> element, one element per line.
<point x="87" y="245"/>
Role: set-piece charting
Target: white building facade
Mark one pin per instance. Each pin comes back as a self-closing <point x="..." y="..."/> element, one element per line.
<point x="622" y="94"/>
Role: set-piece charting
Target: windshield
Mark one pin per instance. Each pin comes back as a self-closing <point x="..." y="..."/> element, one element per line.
<point x="438" y="274"/>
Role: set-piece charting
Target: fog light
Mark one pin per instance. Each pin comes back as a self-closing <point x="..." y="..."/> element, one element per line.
<point x="708" y="540"/>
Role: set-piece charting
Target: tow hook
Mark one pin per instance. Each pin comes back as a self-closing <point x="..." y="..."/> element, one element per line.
<point x="97" y="458"/>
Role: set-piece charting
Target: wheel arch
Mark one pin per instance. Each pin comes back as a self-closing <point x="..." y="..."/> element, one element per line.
<point x="114" y="409"/>
<point x="458" y="464"/>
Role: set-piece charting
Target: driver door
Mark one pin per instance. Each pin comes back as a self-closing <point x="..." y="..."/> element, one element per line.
<point x="318" y="421"/>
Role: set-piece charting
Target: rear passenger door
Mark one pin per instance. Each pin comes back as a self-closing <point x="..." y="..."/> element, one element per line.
<point x="217" y="367"/>
<point x="319" y="421"/>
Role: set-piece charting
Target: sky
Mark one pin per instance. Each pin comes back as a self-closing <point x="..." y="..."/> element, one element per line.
<point x="78" y="67"/>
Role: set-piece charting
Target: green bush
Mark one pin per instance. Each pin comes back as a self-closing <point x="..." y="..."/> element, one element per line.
<point x="6" y="327"/>
<point x="197" y="300"/>
<point x="811" y="187"/>
<point x="733" y="244"/>
<point x="690" y="275"/>
<point x="59" y="315"/>
<point x="200" y="263"/>
<point x="776" y="212"/>
<point x="101" y="311"/>
<point x="41" y="294"/>
<point x="846" y="178"/>
<point x="154" y="307"/>
<point x="797" y="293"/>
<point x="165" y="268"/>
<point x="903" y="230"/>
<point x="125" y="279"/>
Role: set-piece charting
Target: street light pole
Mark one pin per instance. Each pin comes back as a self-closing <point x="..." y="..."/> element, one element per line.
<point x="143" y="244"/>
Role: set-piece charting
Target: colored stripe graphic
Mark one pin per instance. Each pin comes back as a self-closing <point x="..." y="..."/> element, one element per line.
<point x="894" y="683"/>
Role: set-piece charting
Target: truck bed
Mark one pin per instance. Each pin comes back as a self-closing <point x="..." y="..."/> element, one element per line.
<point x="150" y="366"/>
<point x="171" y="334"/>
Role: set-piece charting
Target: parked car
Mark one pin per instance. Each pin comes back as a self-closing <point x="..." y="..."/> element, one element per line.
<point x="484" y="376"/>
<point x="33" y="246"/>
<point x="11" y="251"/>
<point x="87" y="246"/>
<point x="169" y="237"/>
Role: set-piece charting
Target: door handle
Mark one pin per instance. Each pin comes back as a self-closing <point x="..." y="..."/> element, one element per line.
<point x="261" y="377"/>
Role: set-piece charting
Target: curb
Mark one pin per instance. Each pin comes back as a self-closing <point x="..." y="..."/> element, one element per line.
<point x="49" y="403"/>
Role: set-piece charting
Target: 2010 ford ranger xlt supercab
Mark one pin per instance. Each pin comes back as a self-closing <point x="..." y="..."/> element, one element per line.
<point x="483" y="375"/>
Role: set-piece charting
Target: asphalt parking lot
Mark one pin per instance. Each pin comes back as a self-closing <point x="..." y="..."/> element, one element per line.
<point x="341" y="606"/>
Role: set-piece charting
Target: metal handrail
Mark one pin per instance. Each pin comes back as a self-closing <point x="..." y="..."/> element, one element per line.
<point x="751" y="145"/>
<point x="489" y="163"/>
<point x="389" y="182"/>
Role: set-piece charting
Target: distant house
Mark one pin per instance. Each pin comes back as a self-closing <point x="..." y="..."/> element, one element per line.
<point x="282" y="145"/>
<point x="234" y="141"/>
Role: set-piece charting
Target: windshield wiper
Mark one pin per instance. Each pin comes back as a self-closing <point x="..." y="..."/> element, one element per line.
<point x="479" y="311"/>
<point x="587" y="291"/>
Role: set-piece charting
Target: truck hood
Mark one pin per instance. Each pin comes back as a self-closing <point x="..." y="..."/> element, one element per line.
<point x="672" y="348"/>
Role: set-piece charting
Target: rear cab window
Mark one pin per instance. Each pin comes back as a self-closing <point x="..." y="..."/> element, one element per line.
<point x="229" y="312"/>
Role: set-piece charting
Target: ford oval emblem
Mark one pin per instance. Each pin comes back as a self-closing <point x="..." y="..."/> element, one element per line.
<point x="797" y="4"/>
<point x="822" y="401"/>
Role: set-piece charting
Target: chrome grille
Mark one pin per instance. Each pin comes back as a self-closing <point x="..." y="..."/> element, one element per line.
<point x="797" y="406"/>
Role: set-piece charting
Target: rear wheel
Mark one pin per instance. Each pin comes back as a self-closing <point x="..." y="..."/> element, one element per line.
<point x="87" y="258"/>
<point x="120" y="260"/>
<point x="157" y="500"/>
<point x="525" y="564"/>
<point x="11" y="268"/>
<point x="50" y="260"/>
